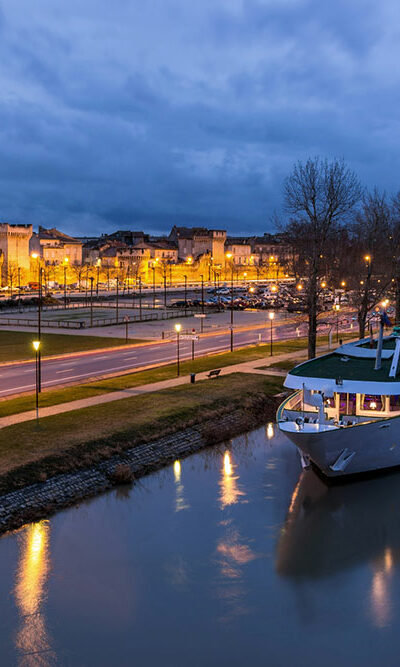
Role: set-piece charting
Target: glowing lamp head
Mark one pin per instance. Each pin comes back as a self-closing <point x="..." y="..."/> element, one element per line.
<point x="367" y="258"/>
<point x="336" y="306"/>
<point x="251" y="289"/>
<point x="323" y="284"/>
<point x="299" y="287"/>
<point x="34" y="255"/>
<point x="228" y="255"/>
<point x="245" y="274"/>
<point x="271" y="315"/>
<point x="178" y="327"/>
<point x="66" y="260"/>
<point x="36" y="345"/>
<point x="274" y="288"/>
<point x="343" y="283"/>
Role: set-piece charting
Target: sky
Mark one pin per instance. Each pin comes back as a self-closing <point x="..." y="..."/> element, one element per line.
<point x="142" y="114"/>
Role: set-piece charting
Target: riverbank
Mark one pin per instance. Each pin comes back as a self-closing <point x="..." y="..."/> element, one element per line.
<point x="59" y="474"/>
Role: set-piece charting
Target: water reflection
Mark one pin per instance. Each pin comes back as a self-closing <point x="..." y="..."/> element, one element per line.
<point x="232" y="551"/>
<point x="229" y="488"/>
<point x="180" y="503"/>
<point x="328" y="529"/>
<point x="32" y="641"/>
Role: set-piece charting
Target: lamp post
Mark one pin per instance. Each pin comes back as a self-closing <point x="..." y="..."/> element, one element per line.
<point x="116" y="302"/>
<point x="154" y="285"/>
<point x="39" y="329"/>
<point x="185" y="277"/>
<point x="178" y="328"/>
<point x="65" y="281"/>
<point x="336" y="307"/>
<point x="271" y="316"/>
<point x="98" y="275"/>
<point x="140" y="298"/>
<point x="202" y="293"/>
<point x="19" y="287"/>
<point x="165" y="286"/>
<point x="36" y="347"/>
<point x="229" y="256"/>
<point x="91" y="300"/>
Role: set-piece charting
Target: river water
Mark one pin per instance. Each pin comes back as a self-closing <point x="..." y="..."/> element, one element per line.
<point x="230" y="557"/>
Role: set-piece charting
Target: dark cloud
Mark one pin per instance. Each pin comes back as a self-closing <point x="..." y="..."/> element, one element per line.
<point x="149" y="114"/>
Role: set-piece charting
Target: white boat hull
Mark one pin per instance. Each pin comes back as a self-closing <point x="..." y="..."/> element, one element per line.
<point x="349" y="450"/>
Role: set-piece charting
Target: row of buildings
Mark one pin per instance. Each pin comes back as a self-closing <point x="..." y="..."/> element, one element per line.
<point x="22" y="249"/>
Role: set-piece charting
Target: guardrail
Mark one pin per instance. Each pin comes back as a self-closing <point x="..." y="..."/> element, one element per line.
<point x="100" y="322"/>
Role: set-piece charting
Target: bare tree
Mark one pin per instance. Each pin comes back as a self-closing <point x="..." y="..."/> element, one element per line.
<point x="319" y="197"/>
<point x="395" y="245"/>
<point x="371" y="266"/>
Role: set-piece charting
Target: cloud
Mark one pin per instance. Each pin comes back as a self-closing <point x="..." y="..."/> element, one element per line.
<point x="150" y="114"/>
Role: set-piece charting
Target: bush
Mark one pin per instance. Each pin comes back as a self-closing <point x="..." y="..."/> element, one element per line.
<point x="122" y="474"/>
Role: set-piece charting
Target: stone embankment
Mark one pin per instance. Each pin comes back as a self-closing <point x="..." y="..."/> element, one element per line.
<point x="39" y="500"/>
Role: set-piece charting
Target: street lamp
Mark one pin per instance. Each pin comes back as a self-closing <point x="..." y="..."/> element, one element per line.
<point x="271" y="316"/>
<point x="91" y="300"/>
<point x="336" y="307"/>
<point x="36" y="347"/>
<point x="178" y="328"/>
<point x="65" y="281"/>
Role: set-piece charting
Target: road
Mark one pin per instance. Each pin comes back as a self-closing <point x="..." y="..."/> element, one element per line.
<point x="81" y="367"/>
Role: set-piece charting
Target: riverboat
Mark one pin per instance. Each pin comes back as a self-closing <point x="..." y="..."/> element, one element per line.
<point x="344" y="416"/>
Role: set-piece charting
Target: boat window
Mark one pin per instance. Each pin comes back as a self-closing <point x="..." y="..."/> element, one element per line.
<point x="372" y="402"/>
<point x="347" y="404"/>
<point x="395" y="403"/>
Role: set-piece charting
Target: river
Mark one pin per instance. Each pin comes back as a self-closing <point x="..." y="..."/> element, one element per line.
<point x="233" y="556"/>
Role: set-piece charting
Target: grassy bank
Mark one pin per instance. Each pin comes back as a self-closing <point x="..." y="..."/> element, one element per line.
<point x="136" y="379"/>
<point x="78" y="439"/>
<point x="17" y="345"/>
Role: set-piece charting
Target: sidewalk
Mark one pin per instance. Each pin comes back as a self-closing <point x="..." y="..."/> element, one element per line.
<point x="246" y="367"/>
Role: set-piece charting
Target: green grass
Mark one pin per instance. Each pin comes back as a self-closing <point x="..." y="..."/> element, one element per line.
<point x="125" y="422"/>
<point x="75" y="392"/>
<point x="17" y="345"/>
<point x="284" y="365"/>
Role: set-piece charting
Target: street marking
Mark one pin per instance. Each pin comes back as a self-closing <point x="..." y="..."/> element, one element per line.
<point x="66" y="370"/>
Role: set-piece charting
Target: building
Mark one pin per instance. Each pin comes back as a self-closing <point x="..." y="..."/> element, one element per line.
<point x="55" y="247"/>
<point x="271" y="248"/>
<point x="240" y="251"/>
<point x="14" y="248"/>
<point x="193" y="242"/>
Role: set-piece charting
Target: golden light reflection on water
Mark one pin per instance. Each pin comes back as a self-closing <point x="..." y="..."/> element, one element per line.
<point x="32" y="640"/>
<point x="180" y="502"/>
<point x="270" y="431"/>
<point x="381" y="602"/>
<point x="230" y="492"/>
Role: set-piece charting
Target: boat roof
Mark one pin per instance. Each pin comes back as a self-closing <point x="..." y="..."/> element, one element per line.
<point x="350" y="368"/>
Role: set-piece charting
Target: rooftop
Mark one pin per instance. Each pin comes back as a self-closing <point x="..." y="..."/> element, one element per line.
<point x="332" y="366"/>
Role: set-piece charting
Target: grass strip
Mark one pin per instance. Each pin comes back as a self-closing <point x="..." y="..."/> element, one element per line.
<point x="17" y="345"/>
<point x="76" y="392"/>
<point x="76" y="439"/>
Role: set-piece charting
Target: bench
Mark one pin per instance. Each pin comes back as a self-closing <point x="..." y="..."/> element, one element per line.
<point x="214" y="374"/>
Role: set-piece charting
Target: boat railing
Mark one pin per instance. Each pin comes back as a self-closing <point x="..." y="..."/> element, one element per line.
<point x="289" y="404"/>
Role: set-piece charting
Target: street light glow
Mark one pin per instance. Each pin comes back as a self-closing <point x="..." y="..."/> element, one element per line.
<point x="323" y="284"/>
<point x="34" y="255"/>
<point x="343" y="283"/>
<point x="271" y="315"/>
<point x="367" y="258"/>
<point x="36" y="345"/>
<point x="228" y="255"/>
<point x="385" y="303"/>
<point x="178" y="327"/>
<point x="299" y="287"/>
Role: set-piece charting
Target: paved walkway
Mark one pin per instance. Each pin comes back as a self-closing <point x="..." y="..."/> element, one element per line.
<point x="246" y="367"/>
